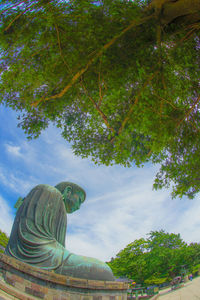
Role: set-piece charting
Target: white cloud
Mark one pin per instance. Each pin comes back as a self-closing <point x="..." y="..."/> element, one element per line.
<point x="120" y="205"/>
<point x="19" y="182"/>
<point x="188" y="222"/>
<point x="118" y="218"/>
<point x="13" y="150"/>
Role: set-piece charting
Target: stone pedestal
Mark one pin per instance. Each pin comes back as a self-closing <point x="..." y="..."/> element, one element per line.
<point x="25" y="282"/>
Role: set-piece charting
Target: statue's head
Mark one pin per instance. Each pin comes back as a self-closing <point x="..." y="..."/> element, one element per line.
<point x="73" y="195"/>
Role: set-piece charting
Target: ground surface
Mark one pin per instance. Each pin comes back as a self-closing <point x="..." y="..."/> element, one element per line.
<point x="191" y="291"/>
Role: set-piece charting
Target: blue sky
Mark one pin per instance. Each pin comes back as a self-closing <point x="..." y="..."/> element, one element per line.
<point x="120" y="205"/>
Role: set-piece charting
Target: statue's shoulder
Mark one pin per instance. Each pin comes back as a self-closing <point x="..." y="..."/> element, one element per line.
<point x="48" y="188"/>
<point x="44" y="193"/>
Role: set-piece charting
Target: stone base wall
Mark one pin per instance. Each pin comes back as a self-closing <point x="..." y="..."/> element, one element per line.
<point x="35" y="283"/>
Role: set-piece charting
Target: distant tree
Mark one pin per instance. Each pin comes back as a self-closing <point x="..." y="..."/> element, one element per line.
<point x="120" y="78"/>
<point x="154" y="260"/>
<point x="3" y="241"/>
<point x="164" y="254"/>
<point x="130" y="262"/>
<point x="194" y="254"/>
<point x="157" y="239"/>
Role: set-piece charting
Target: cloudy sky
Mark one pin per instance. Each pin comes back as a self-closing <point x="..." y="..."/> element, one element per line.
<point x="120" y="205"/>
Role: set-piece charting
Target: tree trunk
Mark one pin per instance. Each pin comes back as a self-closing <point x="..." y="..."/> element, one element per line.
<point x="187" y="11"/>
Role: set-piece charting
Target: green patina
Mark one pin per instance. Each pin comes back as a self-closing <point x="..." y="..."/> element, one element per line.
<point x="39" y="230"/>
<point x="19" y="202"/>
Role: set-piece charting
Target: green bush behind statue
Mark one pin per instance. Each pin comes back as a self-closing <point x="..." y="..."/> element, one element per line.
<point x="3" y="241"/>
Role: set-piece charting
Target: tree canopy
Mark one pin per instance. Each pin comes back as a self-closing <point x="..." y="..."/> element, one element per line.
<point x="120" y="78"/>
<point x="156" y="259"/>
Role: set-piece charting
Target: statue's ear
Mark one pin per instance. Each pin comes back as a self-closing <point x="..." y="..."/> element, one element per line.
<point x="19" y="202"/>
<point x="67" y="192"/>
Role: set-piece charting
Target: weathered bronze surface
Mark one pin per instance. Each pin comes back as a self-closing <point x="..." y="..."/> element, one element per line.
<point x="39" y="230"/>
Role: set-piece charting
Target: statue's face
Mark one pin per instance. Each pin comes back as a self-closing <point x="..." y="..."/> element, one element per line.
<point x="73" y="198"/>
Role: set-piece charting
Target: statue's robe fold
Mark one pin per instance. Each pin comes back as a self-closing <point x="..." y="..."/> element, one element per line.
<point x="39" y="229"/>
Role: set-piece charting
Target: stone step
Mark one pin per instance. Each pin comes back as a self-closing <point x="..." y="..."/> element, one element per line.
<point x="7" y="292"/>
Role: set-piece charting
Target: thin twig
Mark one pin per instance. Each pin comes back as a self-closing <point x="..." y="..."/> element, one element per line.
<point x="99" y="110"/>
<point x="164" y="100"/>
<point x="149" y="153"/>
<point x="193" y="125"/>
<point x="39" y="50"/>
<point x="158" y="38"/>
<point x="188" y="113"/>
<point x="188" y="35"/>
<point x="60" y="49"/>
<point x="100" y="89"/>
<point x="135" y="102"/>
<point x="163" y="82"/>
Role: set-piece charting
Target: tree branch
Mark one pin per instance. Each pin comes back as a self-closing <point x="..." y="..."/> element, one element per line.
<point x="60" y="49"/>
<point x="165" y="100"/>
<point x="92" y="60"/>
<point x="126" y="119"/>
<point x="99" y="82"/>
<point x="18" y="16"/>
<point x="188" y="113"/>
<point x="39" y="50"/>
<point x="99" y="110"/>
<point x="181" y="8"/>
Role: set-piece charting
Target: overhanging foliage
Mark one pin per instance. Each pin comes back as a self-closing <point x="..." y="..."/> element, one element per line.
<point x="120" y="78"/>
